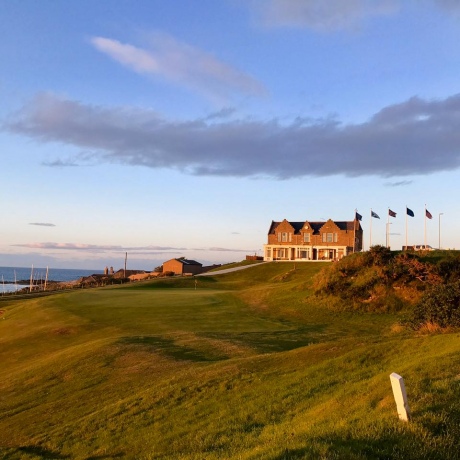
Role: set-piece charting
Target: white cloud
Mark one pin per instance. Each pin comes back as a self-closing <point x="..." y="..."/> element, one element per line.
<point x="182" y="64"/>
<point x="416" y="136"/>
<point x="137" y="59"/>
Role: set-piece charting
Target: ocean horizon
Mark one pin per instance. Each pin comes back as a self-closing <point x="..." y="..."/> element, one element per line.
<point x="9" y="275"/>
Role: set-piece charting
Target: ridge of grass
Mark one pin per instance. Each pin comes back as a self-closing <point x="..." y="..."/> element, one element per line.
<point x="246" y="366"/>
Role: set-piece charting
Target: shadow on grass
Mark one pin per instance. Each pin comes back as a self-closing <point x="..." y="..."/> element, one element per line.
<point x="268" y="341"/>
<point x="41" y="452"/>
<point x="168" y="348"/>
<point x="397" y="445"/>
<point x="101" y="457"/>
<point x="262" y="342"/>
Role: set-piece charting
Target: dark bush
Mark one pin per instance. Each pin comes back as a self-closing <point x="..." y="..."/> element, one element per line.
<point x="449" y="268"/>
<point x="439" y="306"/>
<point x="379" y="256"/>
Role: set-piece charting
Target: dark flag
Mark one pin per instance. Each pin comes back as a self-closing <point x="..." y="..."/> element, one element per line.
<point x="374" y="214"/>
<point x="391" y="213"/>
<point x="428" y="214"/>
<point x="409" y="212"/>
<point x="358" y="216"/>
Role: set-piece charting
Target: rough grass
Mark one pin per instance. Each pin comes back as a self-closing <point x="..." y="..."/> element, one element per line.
<point x="246" y="366"/>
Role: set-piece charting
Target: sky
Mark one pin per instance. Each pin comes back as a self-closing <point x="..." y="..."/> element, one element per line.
<point x="181" y="128"/>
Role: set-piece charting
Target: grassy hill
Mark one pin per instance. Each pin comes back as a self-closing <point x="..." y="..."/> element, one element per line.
<point x="248" y="365"/>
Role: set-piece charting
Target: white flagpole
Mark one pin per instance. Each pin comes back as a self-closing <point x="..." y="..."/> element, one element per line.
<point x="425" y="227"/>
<point x="406" y="227"/>
<point x="354" y="231"/>
<point x="31" y="278"/>
<point x="388" y="225"/>
<point x="46" y="279"/>
<point x="370" y="235"/>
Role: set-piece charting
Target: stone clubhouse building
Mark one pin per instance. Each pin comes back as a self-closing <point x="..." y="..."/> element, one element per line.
<point x="305" y="241"/>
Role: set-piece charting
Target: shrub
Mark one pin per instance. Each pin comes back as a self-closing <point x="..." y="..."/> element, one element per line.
<point x="379" y="256"/>
<point x="439" y="306"/>
<point x="408" y="267"/>
<point x="449" y="268"/>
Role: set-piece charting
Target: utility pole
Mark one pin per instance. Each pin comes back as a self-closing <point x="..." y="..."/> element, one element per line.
<point x="439" y="234"/>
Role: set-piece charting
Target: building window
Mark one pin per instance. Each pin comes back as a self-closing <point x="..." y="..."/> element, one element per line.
<point x="330" y="237"/>
<point x="279" y="237"/>
<point x="269" y="253"/>
<point x="284" y="237"/>
<point x="306" y="237"/>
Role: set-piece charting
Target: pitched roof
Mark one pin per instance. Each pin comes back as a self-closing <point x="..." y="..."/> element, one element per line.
<point x="315" y="226"/>
<point x="189" y="262"/>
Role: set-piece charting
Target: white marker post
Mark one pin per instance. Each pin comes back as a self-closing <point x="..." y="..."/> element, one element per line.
<point x="399" y="392"/>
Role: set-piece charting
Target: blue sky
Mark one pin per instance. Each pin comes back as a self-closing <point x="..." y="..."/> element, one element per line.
<point x="183" y="128"/>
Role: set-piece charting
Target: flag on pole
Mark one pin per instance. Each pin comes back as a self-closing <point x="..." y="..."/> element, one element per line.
<point x="374" y="214"/>
<point x="358" y="216"/>
<point x="409" y="212"/>
<point x="391" y="213"/>
<point x="428" y="214"/>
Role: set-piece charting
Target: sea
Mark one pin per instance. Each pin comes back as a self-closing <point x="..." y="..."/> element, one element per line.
<point x="8" y="275"/>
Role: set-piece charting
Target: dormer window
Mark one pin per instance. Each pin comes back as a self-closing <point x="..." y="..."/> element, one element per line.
<point x="306" y="237"/>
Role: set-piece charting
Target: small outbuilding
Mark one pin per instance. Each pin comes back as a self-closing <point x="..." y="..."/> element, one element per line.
<point x="182" y="267"/>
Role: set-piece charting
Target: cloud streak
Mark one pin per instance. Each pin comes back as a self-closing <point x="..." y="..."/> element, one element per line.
<point x="320" y="15"/>
<point x="401" y="183"/>
<point x="414" y="137"/>
<point x="333" y="15"/>
<point x="42" y="224"/>
<point x="116" y="248"/>
<point x="182" y="64"/>
<point x="93" y="247"/>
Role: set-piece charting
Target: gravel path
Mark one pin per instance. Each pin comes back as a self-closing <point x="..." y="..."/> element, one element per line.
<point x="229" y="270"/>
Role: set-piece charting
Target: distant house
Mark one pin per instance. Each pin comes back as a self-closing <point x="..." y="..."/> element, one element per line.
<point x="182" y="267"/>
<point x="127" y="273"/>
<point x="303" y="241"/>
<point x="143" y="276"/>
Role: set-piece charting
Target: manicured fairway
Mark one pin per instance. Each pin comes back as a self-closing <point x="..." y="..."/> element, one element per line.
<point x="244" y="366"/>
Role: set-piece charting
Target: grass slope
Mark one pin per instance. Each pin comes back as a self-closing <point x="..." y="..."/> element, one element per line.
<point x="245" y="366"/>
